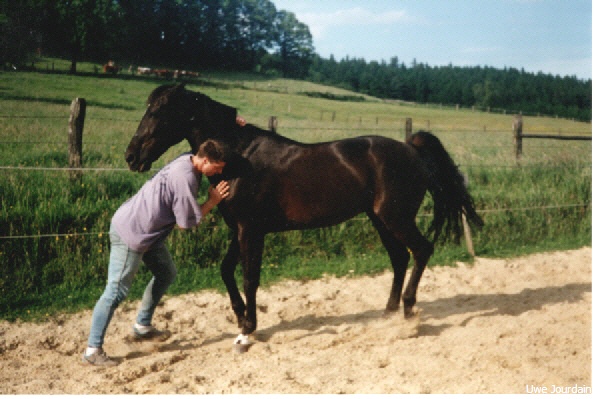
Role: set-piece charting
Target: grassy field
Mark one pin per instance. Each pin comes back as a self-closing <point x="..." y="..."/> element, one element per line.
<point x="57" y="257"/>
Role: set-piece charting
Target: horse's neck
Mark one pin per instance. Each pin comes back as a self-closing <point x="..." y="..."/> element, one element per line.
<point x="195" y="140"/>
<point x="199" y="135"/>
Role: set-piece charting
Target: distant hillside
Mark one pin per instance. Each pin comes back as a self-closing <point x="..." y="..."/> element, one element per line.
<point x="488" y="88"/>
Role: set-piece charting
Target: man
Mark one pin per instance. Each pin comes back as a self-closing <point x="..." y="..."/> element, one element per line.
<point x="138" y="232"/>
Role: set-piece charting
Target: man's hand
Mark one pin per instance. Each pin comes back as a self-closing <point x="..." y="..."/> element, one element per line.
<point x="240" y="121"/>
<point x="215" y="195"/>
<point x="219" y="192"/>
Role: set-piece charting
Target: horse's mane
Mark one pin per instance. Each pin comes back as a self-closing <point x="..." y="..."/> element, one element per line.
<point x="259" y="131"/>
<point x="158" y="92"/>
<point x="220" y="125"/>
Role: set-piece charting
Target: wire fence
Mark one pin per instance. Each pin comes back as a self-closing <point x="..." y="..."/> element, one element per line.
<point x="100" y="234"/>
<point x="322" y="128"/>
<point x="481" y="211"/>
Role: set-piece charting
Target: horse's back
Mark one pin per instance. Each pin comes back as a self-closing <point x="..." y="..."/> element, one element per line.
<point x="297" y="185"/>
<point x="357" y="159"/>
<point x="383" y="156"/>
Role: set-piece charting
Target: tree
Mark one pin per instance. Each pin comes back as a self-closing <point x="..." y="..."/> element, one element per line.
<point x="20" y="33"/>
<point x="84" y="25"/>
<point x="293" y="44"/>
<point x="139" y="30"/>
<point x="247" y="31"/>
<point x="255" y="24"/>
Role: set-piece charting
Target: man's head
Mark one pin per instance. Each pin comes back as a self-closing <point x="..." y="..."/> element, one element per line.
<point x="211" y="157"/>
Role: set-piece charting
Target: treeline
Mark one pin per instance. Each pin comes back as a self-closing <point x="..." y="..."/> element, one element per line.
<point x="186" y="34"/>
<point x="252" y="35"/>
<point x="490" y="88"/>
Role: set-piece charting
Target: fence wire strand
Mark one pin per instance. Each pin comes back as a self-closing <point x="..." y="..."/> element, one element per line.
<point x="484" y="211"/>
<point x="63" y="169"/>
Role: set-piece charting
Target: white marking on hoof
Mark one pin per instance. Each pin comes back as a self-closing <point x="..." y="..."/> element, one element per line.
<point x="242" y="339"/>
<point x="242" y="343"/>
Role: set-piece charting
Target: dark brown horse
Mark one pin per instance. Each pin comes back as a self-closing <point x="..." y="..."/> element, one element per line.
<point x="277" y="184"/>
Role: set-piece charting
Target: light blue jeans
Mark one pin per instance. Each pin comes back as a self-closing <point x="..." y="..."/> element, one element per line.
<point x="124" y="264"/>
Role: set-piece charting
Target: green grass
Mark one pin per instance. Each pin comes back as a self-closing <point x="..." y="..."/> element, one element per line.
<point x="64" y="269"/>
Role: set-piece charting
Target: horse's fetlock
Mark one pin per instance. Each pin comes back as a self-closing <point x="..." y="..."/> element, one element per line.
<point x="241" y="320"/>
<point x="392" y="306"/>
<point x="249" y="327"/>
<point x="409" y="303"/>
<point x="409" y="312"/>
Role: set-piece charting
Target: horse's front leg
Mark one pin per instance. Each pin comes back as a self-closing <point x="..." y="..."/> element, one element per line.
<point x="228" y="267"/>
<point x="251" y="254"/>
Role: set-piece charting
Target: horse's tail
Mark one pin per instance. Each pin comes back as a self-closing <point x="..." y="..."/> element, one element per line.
<point x="446" y="186"/>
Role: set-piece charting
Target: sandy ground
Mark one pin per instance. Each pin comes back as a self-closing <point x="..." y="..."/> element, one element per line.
<point x="498" y="326"/>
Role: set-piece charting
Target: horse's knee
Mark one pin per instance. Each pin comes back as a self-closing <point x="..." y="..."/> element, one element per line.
<point x="251" y="285"/>
<point x="227" y="275"/>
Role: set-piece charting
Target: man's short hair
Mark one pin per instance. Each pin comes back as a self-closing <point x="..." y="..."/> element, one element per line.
<point x="213" y="150"/>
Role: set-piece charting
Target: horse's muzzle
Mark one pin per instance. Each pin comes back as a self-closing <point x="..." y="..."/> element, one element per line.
<point x="135" y="165"/>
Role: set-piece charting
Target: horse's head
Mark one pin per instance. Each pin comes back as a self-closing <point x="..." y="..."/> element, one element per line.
<point x="173" y="114"/>
<point x="162" y="126"/>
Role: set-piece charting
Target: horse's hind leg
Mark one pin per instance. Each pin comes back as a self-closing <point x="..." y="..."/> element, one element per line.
<point x="422" y="249"/>
<point x="399" y="234"/>
<point x="399" y="256"/>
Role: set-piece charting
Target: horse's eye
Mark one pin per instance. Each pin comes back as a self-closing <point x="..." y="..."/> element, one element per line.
<point x="153" y="113"/>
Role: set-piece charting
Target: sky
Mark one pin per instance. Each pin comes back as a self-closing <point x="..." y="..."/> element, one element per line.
<point x="549" y="36"/>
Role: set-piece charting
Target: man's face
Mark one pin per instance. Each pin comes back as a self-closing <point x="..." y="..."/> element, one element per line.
<point x="210" y="168"/>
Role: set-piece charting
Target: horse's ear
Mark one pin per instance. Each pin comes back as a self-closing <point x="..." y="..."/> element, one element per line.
<point x="162" y="95"/>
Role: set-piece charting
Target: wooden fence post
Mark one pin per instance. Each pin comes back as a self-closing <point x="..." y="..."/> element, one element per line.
<point x="517" y="136"/>
<point x="76" y="123"/>
<point x="273" y="123"/>
<point x="408" y="128"/>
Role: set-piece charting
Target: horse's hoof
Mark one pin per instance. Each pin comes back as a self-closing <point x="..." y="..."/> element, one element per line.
<point x="242" y="344"/>
<point x="410" y="313"/>
<point x="239" y="348"/>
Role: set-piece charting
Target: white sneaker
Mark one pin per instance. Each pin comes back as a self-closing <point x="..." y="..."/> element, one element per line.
<point x="149" y="333"/>
<point x="100" y="359"/>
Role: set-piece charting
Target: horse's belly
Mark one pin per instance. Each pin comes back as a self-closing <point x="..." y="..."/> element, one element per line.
<point x="322" y="208"/>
